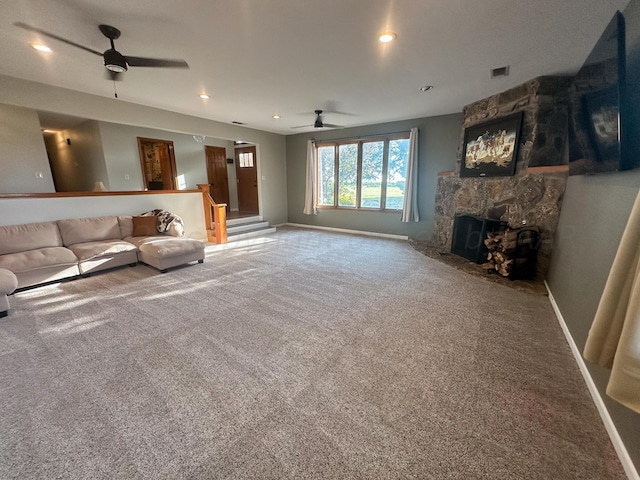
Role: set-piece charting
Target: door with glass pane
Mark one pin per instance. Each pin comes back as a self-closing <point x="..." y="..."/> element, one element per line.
<point x="247" y="176"/>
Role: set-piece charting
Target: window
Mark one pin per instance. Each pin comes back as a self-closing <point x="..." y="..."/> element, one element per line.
<point x="245" y="159"/>
<point x="363" y="173"/>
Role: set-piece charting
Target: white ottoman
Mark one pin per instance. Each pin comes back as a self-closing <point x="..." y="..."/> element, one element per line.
<point x="8" y="283"/>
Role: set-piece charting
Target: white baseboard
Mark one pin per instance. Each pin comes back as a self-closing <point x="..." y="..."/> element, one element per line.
<point x="344" y="230"/>
<point x="618" y="445"/>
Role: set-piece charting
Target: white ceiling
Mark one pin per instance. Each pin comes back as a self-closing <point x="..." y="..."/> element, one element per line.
<point x="258" y="58"/>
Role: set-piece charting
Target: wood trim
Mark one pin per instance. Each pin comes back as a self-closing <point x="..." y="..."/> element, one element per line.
<point x="366" y="138"/>
<point x="91" y="194"/>
<point x="219" y="220"/>
<point x="172" y="161"/>
<point x="554" y="169"/>
<point x="361" y="209"/>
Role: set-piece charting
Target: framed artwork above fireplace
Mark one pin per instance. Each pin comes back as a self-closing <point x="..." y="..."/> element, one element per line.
<point x="491" y="148"/>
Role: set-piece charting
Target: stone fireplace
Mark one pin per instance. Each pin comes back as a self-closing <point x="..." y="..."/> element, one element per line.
<point x="533" y="196"/>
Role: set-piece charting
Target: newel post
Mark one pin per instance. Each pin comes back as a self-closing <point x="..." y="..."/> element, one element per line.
<point x="220" y="222"/>
<point x="216" y="229"/>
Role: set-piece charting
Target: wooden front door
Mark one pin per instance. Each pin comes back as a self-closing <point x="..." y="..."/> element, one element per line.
<point x="247" y="173"/>
<point x="217" y="174"/>
<point x="158" y="164"/>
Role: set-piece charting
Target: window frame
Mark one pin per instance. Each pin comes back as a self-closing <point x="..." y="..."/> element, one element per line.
<point x="336" y="171"/>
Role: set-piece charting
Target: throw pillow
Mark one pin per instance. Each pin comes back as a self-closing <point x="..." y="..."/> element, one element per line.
<point x="145" y="226"/>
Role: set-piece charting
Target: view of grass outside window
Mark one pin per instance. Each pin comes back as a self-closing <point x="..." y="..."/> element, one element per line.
<point x="368" y="173"/>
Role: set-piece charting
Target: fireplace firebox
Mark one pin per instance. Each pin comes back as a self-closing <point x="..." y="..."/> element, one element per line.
<point x="469" y="233"/>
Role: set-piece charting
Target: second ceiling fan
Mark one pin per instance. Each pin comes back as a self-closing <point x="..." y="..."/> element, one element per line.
<point x="319" y="123"/>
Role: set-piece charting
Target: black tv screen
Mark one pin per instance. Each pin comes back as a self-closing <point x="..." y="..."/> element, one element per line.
<point x="599" y="120"/>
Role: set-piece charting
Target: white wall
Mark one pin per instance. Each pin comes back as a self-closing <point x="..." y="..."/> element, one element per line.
<point x="271" y="147"/>
<point x="22" y="152"/>
<point x="187" y="205"/>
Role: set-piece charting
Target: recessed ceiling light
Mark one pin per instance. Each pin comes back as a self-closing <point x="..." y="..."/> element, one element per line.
<point x="276" y="116"/>
<point x="387" y="37"/>
<point x="41" y="48"/>
<point x="204" y="96"/>
<point x="426" y="88"/>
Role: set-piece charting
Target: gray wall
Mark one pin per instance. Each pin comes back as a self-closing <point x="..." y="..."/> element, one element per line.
<point x="78" y="165"/>
<point x="36" y="96"/>
<point x="22" y="152"/>
<point x="437" y="150"/>
<point x="594" y="213"/>
<point x="120" y="143"/>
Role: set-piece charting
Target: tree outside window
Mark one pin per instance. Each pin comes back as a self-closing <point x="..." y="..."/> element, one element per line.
<point x="363" y="173"/>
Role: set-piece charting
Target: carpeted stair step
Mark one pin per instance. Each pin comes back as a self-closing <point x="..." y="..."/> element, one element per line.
<point x="247" y="227"/>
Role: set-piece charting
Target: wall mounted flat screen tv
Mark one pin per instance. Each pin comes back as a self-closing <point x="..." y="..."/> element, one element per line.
<point x="600" y="132"/>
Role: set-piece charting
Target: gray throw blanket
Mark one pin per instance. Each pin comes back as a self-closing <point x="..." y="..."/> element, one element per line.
<point x="165" y="219"/>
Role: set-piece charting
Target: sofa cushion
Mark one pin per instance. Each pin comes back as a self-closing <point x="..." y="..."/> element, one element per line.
<point x="87" y="250"/>
<point x="80" y="230"/>
<point x="145" y="226"/>
<point x="30" y="236"/>
<point x="8" y="282"/>
<point x="166" y="246"/>
<point x="126" y="225"/>
<point x="35" y="259"/>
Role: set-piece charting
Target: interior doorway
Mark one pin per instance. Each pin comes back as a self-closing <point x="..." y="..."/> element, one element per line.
<point x="247" y="175"/>
<point x="158" y="163"/>
<point x="217" y="176"/>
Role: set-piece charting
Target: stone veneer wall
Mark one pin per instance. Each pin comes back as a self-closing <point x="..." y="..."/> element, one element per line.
<point x="534" y="194"/>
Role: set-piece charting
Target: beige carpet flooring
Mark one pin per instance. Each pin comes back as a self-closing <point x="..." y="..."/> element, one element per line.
<point x="303" y="355"/>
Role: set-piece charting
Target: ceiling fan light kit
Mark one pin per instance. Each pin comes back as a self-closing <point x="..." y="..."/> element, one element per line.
<point x="114" y="61"/>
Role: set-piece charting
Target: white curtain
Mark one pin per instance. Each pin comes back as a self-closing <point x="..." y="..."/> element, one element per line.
<point x="310" y="190"/>
<point x="614" y="338"/>
<point x="410" y="209"/>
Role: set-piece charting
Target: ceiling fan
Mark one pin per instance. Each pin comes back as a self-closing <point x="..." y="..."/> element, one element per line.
<point x="319" y="123"/>
<point x="114" y="61"/>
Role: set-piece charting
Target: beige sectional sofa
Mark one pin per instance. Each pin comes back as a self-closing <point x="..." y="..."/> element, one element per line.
<point x="43" y="252"/>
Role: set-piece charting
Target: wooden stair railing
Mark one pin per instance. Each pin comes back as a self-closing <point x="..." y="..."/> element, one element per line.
<point x="216" y="223"/>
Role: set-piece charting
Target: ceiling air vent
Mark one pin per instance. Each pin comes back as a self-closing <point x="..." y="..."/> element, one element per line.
<point x="500" y="72"/>
<point x="237" y="123"/>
